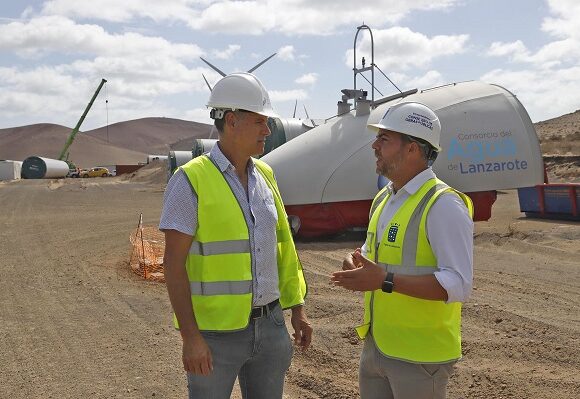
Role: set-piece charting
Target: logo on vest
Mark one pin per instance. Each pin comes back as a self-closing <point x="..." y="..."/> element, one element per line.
<point x="392" y="234"/>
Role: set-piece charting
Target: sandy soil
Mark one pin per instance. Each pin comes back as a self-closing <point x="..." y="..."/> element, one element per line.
<point x="76" y="322"/>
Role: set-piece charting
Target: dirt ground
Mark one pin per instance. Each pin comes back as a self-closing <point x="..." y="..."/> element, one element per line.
<point x="76" y="322"/>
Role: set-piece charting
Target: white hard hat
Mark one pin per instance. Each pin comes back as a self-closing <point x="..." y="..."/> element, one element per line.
<point x="413" y="119"/>
<point x="241" y="91"/>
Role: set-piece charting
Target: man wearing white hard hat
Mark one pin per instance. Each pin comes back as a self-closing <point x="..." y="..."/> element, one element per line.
<point x="231" y="266"/>
<point x="415" y="267"/>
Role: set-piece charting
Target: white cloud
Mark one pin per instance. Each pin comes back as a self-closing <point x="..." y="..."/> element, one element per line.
<point x="564" y="51"/>
<point x="140" y="69"/>
<point x="517" y="50"/>
<point x="430" y="79"/>
<point x="544" y="93"/>
<point x="307" y="79"/>
<point x="286" y="53"/>
<point x="137" y="86"/>
<point x="291" y="17"/>
<point x="564" y="23"/>
<point x="287" y="95"/>
<point x="547" y="84"/>
<point x="43" y="35"/>
<point x="551" y="55"/>
<point x="125" y="11"/>
<point x="400" y="48"/>
<point x="304" y="17"/>
<point x="227" y="53"/>
<point x="234" y="17"/>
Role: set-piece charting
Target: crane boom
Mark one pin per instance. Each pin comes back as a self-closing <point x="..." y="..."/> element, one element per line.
<point x="63" y="155"/>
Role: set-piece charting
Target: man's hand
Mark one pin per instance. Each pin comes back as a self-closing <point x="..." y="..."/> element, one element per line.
<point x="302" y="330"/>
<point x="197" y="356"/>
<point x="366" y="277"/>
<point x="348" y="263"/>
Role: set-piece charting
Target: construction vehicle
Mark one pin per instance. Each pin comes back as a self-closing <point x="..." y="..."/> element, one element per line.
<point x="64" y="153"/>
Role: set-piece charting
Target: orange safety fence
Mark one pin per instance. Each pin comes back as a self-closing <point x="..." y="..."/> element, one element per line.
<point x="147" y="254"/>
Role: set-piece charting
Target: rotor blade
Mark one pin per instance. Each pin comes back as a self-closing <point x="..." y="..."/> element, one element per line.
<point x="261" y="63"/>
<point x="295" y="104"/>
<point x="206" y="82"/>
<point x="214" y="67"/>
<point x="308" y="116"/>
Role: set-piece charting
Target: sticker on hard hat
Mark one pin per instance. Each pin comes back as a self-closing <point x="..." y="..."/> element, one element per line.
<point x="420" y="119"/>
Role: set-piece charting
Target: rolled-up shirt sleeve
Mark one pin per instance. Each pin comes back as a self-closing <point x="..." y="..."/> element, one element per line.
<point x="179" y="206"/>
<point x="450" y="233"/>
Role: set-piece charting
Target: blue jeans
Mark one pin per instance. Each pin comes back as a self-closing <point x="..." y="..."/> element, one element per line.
<point x="259" y="356"/>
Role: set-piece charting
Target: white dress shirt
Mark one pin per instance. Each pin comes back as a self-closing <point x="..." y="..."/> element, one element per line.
<point x="449" y="231"/>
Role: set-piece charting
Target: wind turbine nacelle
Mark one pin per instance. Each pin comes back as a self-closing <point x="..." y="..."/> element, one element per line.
<point x="489" y="143"/>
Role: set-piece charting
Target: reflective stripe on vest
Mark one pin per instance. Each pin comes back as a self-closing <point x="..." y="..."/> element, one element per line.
<point x="381" y="195"/>
<point x="412" y="232"/>
<point x="221" y="287"/>
<point x="219" y="247"/>
<point x="404" y="327"/>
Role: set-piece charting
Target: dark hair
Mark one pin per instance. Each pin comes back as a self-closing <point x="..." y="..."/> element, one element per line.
<point x="427" y="150"/>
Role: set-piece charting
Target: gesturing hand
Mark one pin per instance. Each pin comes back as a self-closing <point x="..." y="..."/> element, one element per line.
<point x="366" y="277"/>
<point x="348" y="263"/>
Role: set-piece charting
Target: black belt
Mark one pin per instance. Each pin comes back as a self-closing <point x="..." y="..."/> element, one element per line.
<point x="263" y="310"/>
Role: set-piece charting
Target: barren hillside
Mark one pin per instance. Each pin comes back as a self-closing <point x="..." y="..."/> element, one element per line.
<point x="126" y="142"/>
<point x="48" y="140"/>
<point x="560" y="144"/>
<point x="152" y="135"/>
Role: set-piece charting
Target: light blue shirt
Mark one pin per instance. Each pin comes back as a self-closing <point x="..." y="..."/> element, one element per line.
<point x="179" y="213"/>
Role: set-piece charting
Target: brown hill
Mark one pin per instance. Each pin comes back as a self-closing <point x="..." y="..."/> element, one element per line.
<point x="128" y="142"/>
<point x="47" y="140"/>
<point x="187" y="144"/>
<point x="560" y="144"/>
<point x="152" y="135"/>
<point x="561" y="135"/>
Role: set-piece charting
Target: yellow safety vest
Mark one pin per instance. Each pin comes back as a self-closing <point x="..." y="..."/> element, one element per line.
<point x="404" y="327"/>
<point x="219" y="264"/>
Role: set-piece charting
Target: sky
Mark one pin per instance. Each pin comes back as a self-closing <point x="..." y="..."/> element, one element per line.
<point x="54" y="53"/>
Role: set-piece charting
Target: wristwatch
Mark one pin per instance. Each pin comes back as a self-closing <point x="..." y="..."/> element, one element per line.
<point x="388" y="283"/>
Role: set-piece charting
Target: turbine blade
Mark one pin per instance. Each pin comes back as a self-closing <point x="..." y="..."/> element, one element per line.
<point x="214" y="67"/>
<point x="295" y="104"/>
<point x="206" y="82"/>
<point x="261" y="63"/>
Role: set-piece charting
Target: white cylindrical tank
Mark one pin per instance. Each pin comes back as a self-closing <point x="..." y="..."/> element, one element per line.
<point x="201" y="146"/>
<point x="151" y="158"/>
<point x="178" y="158"/>
<point x="43" y="168"/>
<point x="293" y="127"/>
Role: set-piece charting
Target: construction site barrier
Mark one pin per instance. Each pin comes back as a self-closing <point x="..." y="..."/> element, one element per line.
<point x="147" y="253"/>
